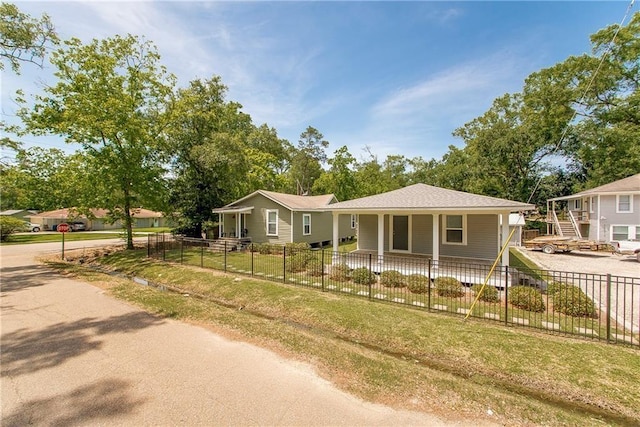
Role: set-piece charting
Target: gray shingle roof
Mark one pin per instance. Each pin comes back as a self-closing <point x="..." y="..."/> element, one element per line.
<point x="291" y="201"/>
<point x="427" y="197"/>
<point x="628" y="184"/>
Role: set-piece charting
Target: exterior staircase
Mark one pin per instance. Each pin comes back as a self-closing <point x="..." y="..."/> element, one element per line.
<point x="229" y="243"/>
<point x="566" y="229"/>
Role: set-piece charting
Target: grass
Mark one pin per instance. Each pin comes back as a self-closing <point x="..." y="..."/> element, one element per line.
<point x="24" y="238"/>
<point x="395" y="355"/>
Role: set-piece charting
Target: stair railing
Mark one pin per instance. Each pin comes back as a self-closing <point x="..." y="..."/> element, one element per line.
<point x="574" y="224"/>
<point x="556" y="224"/>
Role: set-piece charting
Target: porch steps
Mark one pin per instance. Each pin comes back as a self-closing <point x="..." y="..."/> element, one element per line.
<point x="230" y="243"/>
<point x="566" y="229"/>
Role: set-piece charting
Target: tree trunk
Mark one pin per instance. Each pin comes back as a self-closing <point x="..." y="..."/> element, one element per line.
<point x="128" y="222"/>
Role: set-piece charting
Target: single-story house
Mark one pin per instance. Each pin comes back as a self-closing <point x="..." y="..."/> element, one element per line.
<point x="271" y="217"/>
<point x="22" y="214"/>
<point x="604" y="213"/>
<point x="142" y="218"/>
<point x="425" y="220"/>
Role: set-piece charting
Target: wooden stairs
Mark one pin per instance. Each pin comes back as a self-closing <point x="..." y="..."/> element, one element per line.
<point x="229" y="244"/>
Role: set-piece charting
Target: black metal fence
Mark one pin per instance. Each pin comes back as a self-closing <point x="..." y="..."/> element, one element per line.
<point x="596" y="306"/>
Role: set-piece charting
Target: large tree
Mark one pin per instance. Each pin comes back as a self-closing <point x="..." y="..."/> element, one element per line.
<point x="110" y="98"/>
<point x="207" y="142"/>
<point x="307" y="160"/>
<point x="23" y="38"/>
<point x="340" y="179"/>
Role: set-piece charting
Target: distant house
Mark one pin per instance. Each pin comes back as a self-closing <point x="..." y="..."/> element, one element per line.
<point x="98" y="220"/>
<point x="604" y="213"/>
<point x="425" y="220"/>
<point x="22" y="214"/>
<point x="270" y="217"/>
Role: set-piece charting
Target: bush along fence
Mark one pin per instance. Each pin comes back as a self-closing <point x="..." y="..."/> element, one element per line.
<point x="595" y="306"/>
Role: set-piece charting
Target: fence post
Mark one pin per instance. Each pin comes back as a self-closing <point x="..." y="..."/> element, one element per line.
<point x="370" y="287"/>
<point x="164" y="249"/>
<point x="225" y="256"/>
<point x="322" y="269"/>
<point x="148" y="245"/>
<point x="608" y="312"/>
<point x="251" y="249"/>
<point x="506" y="305"/>
<point x="429" y="285"/>
<point x="284" y="263"/>
<point x="202" y="253"/>
<point x="181" y="250"/>
<point x="155" y="252"/>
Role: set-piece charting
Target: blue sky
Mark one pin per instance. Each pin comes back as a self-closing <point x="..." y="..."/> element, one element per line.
<point x="396" y="77"/>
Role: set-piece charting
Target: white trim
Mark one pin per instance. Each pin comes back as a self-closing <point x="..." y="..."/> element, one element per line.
<point x="268" y="211"/>
<point x="464" y="230"/>
<point x="304" y="233"/>
<point x="632" y="230"/>
<point x="618" y="203"/>
<point x="591" y="202"/>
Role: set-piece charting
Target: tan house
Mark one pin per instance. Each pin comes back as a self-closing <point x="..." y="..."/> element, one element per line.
<point x="604" y="213"/>
<point x="98" y="220"/>
<point x="431" y="221"/>
<point x="270" y="217"/>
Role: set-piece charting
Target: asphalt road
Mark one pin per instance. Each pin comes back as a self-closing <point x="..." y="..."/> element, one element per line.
<point x="72" y="355"/>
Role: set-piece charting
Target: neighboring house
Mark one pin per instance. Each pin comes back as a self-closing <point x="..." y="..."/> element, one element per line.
<point x="425" y="220"/>
<point x="605" y="213"/>
<point x="270" y="217"/>
<point x="517" y="222"/>
<point x="19" y="213"/>
<point x="142" y="218"/>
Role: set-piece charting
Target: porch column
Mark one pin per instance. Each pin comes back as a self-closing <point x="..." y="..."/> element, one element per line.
<point x="505" y="239"/>
<point x="598" y="222"/>
<point x="336" y="230"/>
<point x="220" y="224"/>
<point x="435" y="244"/>
<point x="380" y="237"/>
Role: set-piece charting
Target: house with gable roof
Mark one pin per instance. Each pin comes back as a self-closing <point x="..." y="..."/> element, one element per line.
<point x="279" y="218"/>
<point x="435" y="222"/>
<point x="604" y="213"/>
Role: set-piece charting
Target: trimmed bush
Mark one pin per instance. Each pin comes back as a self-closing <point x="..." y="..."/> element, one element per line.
<point x="526" y="298"/>
<point x="296" y="248"/>
<point x="448" y="287"/>
<point x="10" y="225"/>
<point x="418" y="284"/>
<point x="555" y="287"/>
<point x="489" y="294"/>
<point x="363" y="276"/>
<point x="267" y="248"/>
<point x="572" y="301"/>
<point x="392" y="279"/>
<point x="297" y="262"/>
<point x="339" y="272"/>
<point x="314" y="267"/>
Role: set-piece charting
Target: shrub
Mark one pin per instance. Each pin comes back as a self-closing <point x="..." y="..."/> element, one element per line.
<point x="314" y="267"/>
<point x="265" y="248"/>
<point x="296" y="248"/>
<point x="297" y="262"/>
<point x="448" y="287"/>
<point x="489" y="294"/>
<point x="363" y="276"/>
<point x="526" y="298"/>
<point x="555" y="287"/>
<point x="10" y="225"/>
<point x="339" y="272"/>
<point x="417" y="283"/>
<point x="392" y="279"/>
<point x="572" y="301"/>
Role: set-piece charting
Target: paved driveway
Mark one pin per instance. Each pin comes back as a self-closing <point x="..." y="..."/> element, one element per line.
<point x="72" y="355"/>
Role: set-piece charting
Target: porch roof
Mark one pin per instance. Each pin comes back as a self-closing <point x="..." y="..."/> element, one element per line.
<point x="233" y="209"/>
<point x="426" y="197"/>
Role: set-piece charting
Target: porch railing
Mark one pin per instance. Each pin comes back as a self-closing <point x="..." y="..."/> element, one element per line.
<point x="594" y="306"/>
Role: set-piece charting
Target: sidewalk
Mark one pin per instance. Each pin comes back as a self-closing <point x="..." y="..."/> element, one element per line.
<point x="72" y="355"/>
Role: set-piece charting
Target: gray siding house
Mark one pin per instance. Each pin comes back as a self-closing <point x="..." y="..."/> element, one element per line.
<point x="270" y="217"/>
<point x="604" y="213"/>
<point x="425" y="220"/>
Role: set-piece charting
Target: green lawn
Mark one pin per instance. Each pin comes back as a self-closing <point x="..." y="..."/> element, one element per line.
<point x="23" y="238"/>
<point x="392" y="354"/>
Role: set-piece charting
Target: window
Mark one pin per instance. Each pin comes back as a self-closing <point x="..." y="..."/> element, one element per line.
<point x="306" y="224"/>
<point x="619" y="232"/>
<point x="624" y="203"/>
<point x="592" y="202"/>
<point x="454" y="229"/>
<point x="272" y="222"/>
<point x="577" y="204"/>
<point x="353" y="221"/>
<point x="637" y="232"/>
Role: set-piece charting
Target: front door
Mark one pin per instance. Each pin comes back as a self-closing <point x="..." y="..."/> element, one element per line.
<point x="400" y="231"/>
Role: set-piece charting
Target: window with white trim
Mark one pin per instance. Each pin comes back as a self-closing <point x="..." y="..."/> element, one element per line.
<point x="577" y="204"/>
<point x="272" y="222"/>
<point x="592" y="201"/>
<point x="624" y="203"/>
<point x="353" y="221"/>
<point x="620" y="232"/>
<point x="306" y="224"/>
<point x="455" y="229"/>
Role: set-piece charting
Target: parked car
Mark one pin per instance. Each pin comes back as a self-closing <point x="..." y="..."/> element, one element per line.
<point x="77" y="226"/>
<point x="34" y="228"/>
<point x="627" y="247"/>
